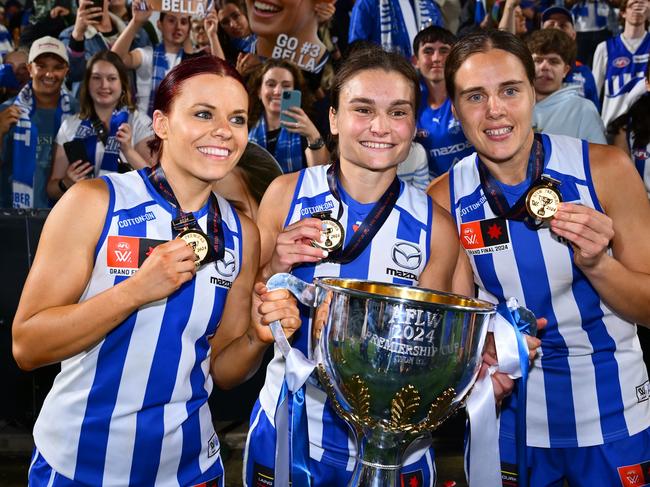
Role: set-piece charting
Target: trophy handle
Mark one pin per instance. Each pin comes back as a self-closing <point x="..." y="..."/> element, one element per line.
<point x="303" y="291"/>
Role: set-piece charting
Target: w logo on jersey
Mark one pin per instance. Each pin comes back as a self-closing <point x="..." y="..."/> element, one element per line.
<point x="635" y="475"/>
<point x="122" y="252"/>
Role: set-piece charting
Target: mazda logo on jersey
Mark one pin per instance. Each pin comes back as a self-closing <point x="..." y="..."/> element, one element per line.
<point x="226" y="266"/>
<point x="407" y="255"/>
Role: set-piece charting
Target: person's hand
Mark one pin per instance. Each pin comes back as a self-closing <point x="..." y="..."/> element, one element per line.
<point x="211" y="23"/>
<point x="87" y="15"/>
<point x="8" y="117"/>
<point x="124" y="136"/>
<point x="324" y="11"/>
<point x="302" y="125"/>
<point x="77" y="171"/>
<point x="140" y="11"/>
<point x="59" y="11"/>
<point x="166" y="269"/>
<point x="246" y="62"/>
<point x="293" y="245"/>
<point x="270" y="306"/>
<point x="589" y="232"/>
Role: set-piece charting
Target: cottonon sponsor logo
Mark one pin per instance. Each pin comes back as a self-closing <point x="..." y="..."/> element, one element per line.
<point x="148" y="216"/>
<point x="473" y="206"/>
<point x="310" y="210"/>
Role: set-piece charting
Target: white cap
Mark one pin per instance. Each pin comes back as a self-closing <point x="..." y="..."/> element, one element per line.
<point x="47" y="45"/>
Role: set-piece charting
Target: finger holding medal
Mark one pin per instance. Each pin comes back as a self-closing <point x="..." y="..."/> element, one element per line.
<point x="589" y="232"/>
<point x="166" y="269"/>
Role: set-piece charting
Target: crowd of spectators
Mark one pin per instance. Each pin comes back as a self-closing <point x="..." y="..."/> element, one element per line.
<point x="590" y="58"/>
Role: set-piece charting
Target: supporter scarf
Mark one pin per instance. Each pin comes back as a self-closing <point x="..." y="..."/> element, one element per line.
<point x="25" y="140"/>
<point x="245" y="44"/>
<point x="88" y="134"/>
<point x="288" y="148"/>
<point x="159" y="70"/>
<point x="394" y="31"/>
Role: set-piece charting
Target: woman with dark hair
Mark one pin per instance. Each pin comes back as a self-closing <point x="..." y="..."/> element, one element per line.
<point x="631" y="132"/>
<point x="234" y="33"/>
<point x="374" y="104"/>
<point x="149" y="302"/>
<point x="295" y="144"/>
<point x="113" y="132"/>
<point x="567" y="232"/>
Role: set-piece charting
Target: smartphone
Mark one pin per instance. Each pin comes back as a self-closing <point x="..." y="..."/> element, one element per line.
<point x="98" y="3"/>
<point x="75" y="150"/>
<point x="290" y="98"/>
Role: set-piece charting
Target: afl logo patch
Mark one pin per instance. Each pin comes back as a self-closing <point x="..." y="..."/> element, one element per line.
<point x="407" y="255"/>
<point x="641" y="154"/>
<point x="621" y="62"/>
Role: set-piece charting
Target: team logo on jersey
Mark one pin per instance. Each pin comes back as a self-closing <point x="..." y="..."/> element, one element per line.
<point x="643" y="392"/>
<point x="485" y="236"/>
<point x="422" y="133"/>
<point x="621" y="62"/>
<point x="453" y="127"/>
<point x="641" y="154"/>
<point x="407" y="255"/>
<point x="635" y="475"/>
<point x="227" y="266"/>
<point x="213" y="445"/>
<point x="125" y="255"/>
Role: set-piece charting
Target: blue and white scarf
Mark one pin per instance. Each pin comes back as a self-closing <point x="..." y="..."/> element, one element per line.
<point x="288" y="148"/>
<point x="25" y="140"/>
<point x="394" y="32"/>
<point x="159" y="69"/>
<point x="245" y="44"/>
<point x="88" y="134"/>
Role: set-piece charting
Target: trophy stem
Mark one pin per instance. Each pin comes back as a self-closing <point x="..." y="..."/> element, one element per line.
<point x="378" y="461"/>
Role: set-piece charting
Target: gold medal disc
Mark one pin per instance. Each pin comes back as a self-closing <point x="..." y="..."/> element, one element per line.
<point x="199" y="243"/>
<point x="542" y="201"/>
<point x="334" y="235"/>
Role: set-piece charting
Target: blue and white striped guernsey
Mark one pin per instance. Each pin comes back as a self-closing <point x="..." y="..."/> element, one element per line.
<point x="398" y="253"/>
<point x="133" y="410"/>
<point x="589" y="385"/>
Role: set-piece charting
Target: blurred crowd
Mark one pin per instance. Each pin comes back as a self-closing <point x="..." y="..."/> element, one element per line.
<point x="78" y="79"/>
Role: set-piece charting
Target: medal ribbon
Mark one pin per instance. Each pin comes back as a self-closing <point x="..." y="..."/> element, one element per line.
<point x="185" y="220"/>
<point x="497" y="200"/>
<point x="370" y="225"/>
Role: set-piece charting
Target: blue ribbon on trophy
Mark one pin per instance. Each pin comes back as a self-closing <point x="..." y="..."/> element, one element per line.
<point x="510" y="324"/>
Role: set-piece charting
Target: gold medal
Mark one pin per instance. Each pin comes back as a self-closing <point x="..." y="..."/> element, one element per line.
<point x="199" y="242"/>
<point x="543" y="199"/>
<point x="333" y="232"/>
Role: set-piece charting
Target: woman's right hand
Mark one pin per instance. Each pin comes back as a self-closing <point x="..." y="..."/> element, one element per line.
<point x="140" y="12"/>
<point x="167" y="268"/>
<point x="87" y="14"/>
<point x="77" y="171"/>
<point x="293" y="245"/>
<point x="211" y="23"/>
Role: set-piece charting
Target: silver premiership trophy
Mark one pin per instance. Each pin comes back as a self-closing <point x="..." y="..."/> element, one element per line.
<point x="396" y="361"/>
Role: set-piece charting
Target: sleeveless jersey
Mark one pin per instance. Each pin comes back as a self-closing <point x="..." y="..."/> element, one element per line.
<point x="441" y="135"/>
<point x="641" y="158"/>
<point x="624" y="70"/>
<point x="589" y="384"/>
<point x="133" y="410"/>
<point x="397" y="254"/>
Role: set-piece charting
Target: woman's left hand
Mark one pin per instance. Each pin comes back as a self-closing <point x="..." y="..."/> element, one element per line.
<point x="124" y="135"/>
<point x="324" y="11"/>
<point x="302" y="125"/>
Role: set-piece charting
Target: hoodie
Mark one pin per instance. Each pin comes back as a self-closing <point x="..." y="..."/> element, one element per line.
<point x="565" y="112"/>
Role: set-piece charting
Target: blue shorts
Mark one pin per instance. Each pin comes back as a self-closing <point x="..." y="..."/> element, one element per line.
<point x="42" y="475"/>
<point x="259" y="461"/>
<point x="622" y="463"/>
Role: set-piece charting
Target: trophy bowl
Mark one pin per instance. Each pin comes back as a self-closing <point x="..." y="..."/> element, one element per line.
<point x="396" y="362"/>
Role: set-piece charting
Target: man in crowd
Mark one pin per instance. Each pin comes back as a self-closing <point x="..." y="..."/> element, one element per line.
<point x="560" y="110"/>
<point x="579" y="74"/>
<point x="438" y="130"/>
<point x="152" y="64"/>
<point x="619" y="62"/>
<point x="28" y="126"/>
